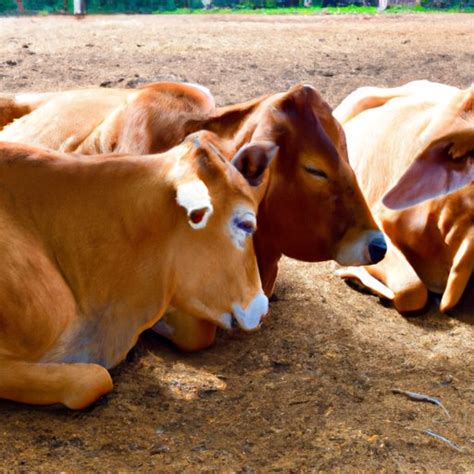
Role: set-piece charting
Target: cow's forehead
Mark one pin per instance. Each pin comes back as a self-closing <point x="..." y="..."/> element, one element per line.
<point x="307" y="123"/>
<point x="223" y="174"/>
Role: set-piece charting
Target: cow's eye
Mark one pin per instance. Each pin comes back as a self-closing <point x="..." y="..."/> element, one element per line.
<point x="316" y="172"/>
<point x="248" y="226"/>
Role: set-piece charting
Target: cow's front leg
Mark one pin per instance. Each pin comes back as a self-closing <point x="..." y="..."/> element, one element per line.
<point x="74" y="385"/>
<point x="268" y="259"/>
<point x="268" y="275"/>
<point x="393" y="278"/>
<point x="188" y="333"/>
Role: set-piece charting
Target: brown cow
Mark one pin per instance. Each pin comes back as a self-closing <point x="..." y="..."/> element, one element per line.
<point x="412" y="148"/>
<point x="94" y="250"/>
<point x="93" y="121"/>
<point x="311" y="207"/>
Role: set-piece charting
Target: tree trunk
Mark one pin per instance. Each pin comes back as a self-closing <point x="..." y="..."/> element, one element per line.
<point x="20" y="6"/>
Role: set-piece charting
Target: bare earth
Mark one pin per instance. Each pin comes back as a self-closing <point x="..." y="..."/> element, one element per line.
<point x="313" y="389"/>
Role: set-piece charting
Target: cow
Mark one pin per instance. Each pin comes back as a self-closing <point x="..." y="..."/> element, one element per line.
<point x="412" y="148"/>
<point x="95" y="249"/>
<point x="102" y="120"/>
<point x="310" y="205"/>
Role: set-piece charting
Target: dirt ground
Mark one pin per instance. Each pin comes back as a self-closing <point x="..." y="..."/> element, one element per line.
<point x="312" y="390"/>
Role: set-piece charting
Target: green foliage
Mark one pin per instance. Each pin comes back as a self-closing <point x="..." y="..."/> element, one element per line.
<point x="7" y="5"/>
<point x="238" y="6"/>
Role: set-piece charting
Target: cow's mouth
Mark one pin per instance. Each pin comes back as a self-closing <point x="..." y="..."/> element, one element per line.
<point x="248" y="319"/>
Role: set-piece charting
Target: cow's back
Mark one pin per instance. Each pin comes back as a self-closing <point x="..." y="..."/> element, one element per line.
<point x="48" y="126"/>
<point x="151" y="119"/>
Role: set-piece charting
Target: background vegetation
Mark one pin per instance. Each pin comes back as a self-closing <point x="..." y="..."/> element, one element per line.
<point x="266" y="6"/>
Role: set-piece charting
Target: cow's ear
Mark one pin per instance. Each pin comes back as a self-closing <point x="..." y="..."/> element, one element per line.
<point x="442" y="169"/>
<point x="194" y="197"/>
<point x="253" y="159"/>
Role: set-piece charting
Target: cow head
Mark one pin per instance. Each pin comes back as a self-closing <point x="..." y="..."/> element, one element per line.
<point x="313" y="207"/>
<point x="433" y="201"/>
<point x="216" y="276"/>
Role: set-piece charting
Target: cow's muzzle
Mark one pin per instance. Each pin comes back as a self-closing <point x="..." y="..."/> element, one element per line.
<point x="248" y="319"/>
<point x="367" y="248"/>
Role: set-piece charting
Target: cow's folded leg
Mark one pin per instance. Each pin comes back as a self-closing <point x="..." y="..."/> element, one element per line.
<point x="459" y="275"/>
<point x="73" y="385"/>
<point x="364" y="278"/>
<point x="393" y="278"/>
<point x="188" y="333"/>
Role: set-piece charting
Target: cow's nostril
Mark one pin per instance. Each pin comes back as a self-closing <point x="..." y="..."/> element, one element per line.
<point x="377" y="248"/>
<point x="233" y="323"/>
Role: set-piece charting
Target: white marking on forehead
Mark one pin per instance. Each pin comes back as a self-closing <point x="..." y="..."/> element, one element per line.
<point x="192" y="196"/>
<point x="238" y="235"/>
<point x="204" y="90"/>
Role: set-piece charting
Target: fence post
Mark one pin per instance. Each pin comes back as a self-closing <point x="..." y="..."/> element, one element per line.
<point x="20" y="6"/>
<point x="79" y="7"/>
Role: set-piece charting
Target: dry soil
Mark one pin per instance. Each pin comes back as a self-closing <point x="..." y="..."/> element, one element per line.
<point x="313" y="390"/>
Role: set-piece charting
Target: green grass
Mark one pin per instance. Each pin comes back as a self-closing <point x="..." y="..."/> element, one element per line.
<point x="350" y="9"/>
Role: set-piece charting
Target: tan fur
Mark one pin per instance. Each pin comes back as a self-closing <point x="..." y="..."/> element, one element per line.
<point x="299" y="215"/>
<point x="388" y="130"/>
<point x="90" y="121"/>
<point x="95" y="249"/>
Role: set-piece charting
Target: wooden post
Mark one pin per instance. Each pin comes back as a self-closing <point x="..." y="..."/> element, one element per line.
<point x="79" y="7"/>
<point x="20" y="6"/>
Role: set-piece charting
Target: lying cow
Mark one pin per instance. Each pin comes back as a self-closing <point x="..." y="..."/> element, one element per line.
<point x="93" y="121"/>
<point x="94" y="250"/>
<point x="412" y="148"/>
<point x="311" y="207"/>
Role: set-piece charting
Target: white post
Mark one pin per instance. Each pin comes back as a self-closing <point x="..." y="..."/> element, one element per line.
<point x="79" y="7"/>
<point x="383" y="4"/>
